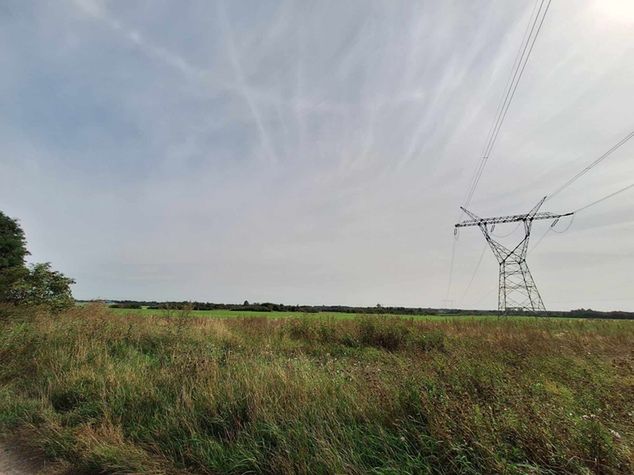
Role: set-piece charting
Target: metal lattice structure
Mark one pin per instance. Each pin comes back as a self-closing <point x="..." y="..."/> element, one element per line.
<point x="517" y="289"/>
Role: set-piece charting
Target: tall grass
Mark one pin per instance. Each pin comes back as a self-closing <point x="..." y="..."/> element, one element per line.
<point x="177" y="394"/>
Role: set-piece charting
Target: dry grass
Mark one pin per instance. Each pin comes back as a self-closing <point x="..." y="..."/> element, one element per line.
<point x="373" y="395"/>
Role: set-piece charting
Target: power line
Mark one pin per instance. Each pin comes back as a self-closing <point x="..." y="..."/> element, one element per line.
<point x="592" y="165"/>
<point x="553" y="226"/>
<point x="605" y="198"/>
<point x="451" y="265"/>
<point x="579" y="175"/>
<point x="540" y="240"/>
<point x="507" y="234"/>
<point x="583" y="208"/>
<point x="477" y="267"/>
<point x="520" y="53"/>
<point x="526" y="49"/>
<point x="475" y="271"/>
<point x="514" y="83"/>
<point x="519" y="65"/>
<point x="498" y="112"/>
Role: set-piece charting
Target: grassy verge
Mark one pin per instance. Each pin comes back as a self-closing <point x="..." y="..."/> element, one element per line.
<point x="116" y="393"/>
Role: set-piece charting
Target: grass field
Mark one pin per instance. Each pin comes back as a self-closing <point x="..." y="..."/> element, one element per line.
<point x="228" y="313"/>
<point x="253" y="314"/>
<point x="120" y="392"/>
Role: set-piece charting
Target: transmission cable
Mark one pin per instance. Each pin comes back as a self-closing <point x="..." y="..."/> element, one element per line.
<point x="475" y="271"/>
<point x="554" y="229"/>
<point x="579" y="175"/>
<point x="507" y="234"/>
<point x="451" y="265"/>
<point x="526" y="50"/>
<point x="519" y="65"/>
<point x="539" y="241"/>
<point x="498" y="112"/>
<point x="605" y="198"/>
<point x="592" y="165"/>
<point x="583" y="208"/>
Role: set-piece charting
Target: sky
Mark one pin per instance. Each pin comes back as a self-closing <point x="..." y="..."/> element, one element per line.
<point x="315" y="152"/>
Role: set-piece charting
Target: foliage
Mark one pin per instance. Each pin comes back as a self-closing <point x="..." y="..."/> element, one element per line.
<point x="43" y="286"/>
<point x="12" y="243"/>
<point x="12" y="254"/>
<point x="377" y="310"/>
<point x="134" y="306"/>
<point x="36" y="284"/>
<point x="115" y="393"/>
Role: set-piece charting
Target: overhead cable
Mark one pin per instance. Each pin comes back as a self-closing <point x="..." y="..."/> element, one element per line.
<point x="526" y="49"/>
<point x="530" y="36"/>
<point x="583" y="208"/>
<point x="605" y="198"/>
<point x="475" y="271"/>
<point x="592" y="165"/>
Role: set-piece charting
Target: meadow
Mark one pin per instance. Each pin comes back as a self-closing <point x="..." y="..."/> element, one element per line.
<point x="148" y="312"/>
<point x="128" y="391"/>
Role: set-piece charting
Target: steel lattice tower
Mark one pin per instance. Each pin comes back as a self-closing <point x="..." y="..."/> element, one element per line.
<point x="517" y="289"/>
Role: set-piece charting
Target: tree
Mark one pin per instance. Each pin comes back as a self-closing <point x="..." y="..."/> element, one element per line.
<point x="12" y="243"/>
<point x="37" y="284"/>
<point x="12" y="254"/>
<point x="44" y="286"/>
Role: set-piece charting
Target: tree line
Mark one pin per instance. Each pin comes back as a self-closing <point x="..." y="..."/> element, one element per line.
<point x="377" y="310"/>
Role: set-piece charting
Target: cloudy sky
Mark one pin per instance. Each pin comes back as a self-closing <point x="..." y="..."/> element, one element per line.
<point x="314" y="151"/>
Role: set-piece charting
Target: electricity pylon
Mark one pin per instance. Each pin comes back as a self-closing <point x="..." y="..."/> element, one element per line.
<point x="517" y="289"/>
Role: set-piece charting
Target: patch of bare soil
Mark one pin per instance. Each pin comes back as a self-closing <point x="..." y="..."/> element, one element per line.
<point x="17" y="460"/>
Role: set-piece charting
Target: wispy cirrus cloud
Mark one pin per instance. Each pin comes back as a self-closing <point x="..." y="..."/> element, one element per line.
<point x="310" y="152"/>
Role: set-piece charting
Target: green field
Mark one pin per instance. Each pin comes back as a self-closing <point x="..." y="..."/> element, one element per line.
<point x="227" y="313"/>
<point x="122" y="391"/>
<point x="254" y="314"/>
<point x="310" y="315"/>
<point x="222" y="314"/>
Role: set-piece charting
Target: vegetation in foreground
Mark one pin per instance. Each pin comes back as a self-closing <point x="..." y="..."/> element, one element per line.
<point x="121" y="394"/>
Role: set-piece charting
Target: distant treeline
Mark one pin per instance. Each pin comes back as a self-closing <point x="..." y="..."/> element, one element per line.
<point x="378" y="310"/>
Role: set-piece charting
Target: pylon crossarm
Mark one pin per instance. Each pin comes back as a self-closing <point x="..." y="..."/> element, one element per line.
<point x="533" y="214"/>
<point x="510" y="219"/>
